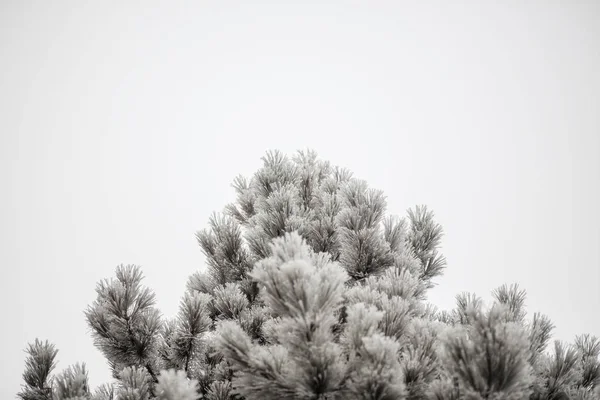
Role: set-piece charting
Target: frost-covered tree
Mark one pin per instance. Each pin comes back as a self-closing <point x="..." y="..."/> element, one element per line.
<point x="311" y="291"/>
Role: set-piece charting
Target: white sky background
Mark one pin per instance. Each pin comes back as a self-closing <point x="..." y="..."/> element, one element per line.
<point x="122" y="127"/>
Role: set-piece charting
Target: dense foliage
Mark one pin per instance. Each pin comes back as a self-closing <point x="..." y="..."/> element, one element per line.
<point x="312" y="292"/>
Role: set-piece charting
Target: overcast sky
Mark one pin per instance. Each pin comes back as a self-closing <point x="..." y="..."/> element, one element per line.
<point x="122" y="127"/>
